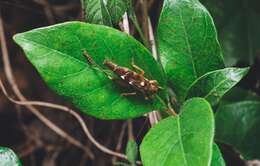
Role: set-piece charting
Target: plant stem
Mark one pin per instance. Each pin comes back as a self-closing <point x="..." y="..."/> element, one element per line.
<point x="155" y="55"/>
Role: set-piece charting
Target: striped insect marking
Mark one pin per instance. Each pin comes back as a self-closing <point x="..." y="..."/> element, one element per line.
<point x="135" y="80"/>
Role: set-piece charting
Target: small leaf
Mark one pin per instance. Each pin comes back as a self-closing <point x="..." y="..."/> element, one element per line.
<point x="186" y="139"/>
<point x="217" y="159"/>
<point x="117" y="8"/>
<point x="56" y="52"/>
<point x="238" y="124"/>
<point x="96" y="12"/>
<point x="213" y="85"/>
<point x="8" y="157"/>
<point x="188" y="43"/>
<point x="131" y="151"/>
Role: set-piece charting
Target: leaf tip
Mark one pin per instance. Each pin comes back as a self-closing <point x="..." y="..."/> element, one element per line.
<point x="16" y="37"/>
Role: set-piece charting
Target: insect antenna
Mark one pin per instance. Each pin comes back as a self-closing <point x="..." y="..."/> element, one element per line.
<point x="91" y="61"/>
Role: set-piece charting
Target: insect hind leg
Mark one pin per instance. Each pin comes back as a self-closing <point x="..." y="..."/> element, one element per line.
<point x="137" y="67"/>
<point x="129" y="94"/>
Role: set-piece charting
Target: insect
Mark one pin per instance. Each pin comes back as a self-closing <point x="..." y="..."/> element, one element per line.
<point x="128" y="78"/>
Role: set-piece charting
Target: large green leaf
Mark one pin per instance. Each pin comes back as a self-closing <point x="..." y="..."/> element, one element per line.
<point x="96" y="12"/>
<point x="186" y="139"/>
<point x="238" y="124"/>
<point x="188" y="43"/>
<point x="56" y="52"/>
<point x="8" y="157"/>
<point x="117" y="8"/>
<point x="217" y="159"/>
<point x="239" y="28"/>
<point x="213" y="85"/>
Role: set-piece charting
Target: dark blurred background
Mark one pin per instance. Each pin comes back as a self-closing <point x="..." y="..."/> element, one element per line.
<point x="238" y="25"/>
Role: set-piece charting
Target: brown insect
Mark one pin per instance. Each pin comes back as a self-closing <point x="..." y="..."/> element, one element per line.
<point x="128" y="78"/>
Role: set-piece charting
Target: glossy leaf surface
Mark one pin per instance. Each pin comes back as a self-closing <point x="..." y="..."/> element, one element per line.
<point x="238" y="124"/>
<point x="213" y="85"/>
<point x="178" y="140"/>
<point x="188" y="43"/>
<point x="57" y="54"/>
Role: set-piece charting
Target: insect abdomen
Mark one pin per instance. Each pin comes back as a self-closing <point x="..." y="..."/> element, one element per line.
<point x="115" y="68"/>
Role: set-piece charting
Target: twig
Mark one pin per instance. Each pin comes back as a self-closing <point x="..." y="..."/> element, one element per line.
<point x="74" y="114"/>
<point x="120" y="140"/>
<point x="126" y="28"/>
<point x="130" y="130"/>
<point x="153" y="118"/>
<point x="152" y="40"/>
<point x="155" y="55"/>
<point x="40" y="116"/>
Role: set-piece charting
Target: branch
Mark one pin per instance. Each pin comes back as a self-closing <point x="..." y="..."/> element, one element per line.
<point x="126" y="28"/>
<point x="73" y="113"/>
<point x="130" y="130"/>
<point x="40" y="116"/>
<point x="120" y="141"/>
<point x="152" y="40"/>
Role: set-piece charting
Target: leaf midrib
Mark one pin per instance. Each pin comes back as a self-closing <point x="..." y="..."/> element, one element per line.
<point x="188" y="44"/>
<point x="62" y="53"/>
<point x="180" y="138"/>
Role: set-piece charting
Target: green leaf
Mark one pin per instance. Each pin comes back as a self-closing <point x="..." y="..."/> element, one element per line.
<point x="186" y="139"/>
<point x="96" y="12"/>
<point x="131" y="151"/>
<point x="217" y="159"/>
<point x="238" y="124"/>
<point x="239" y="28"/>
<point x="8" y="157"/>
<point x="188" y="43"/>
<point x="56" y="52"/>
<point x="213" y="85"/>
<point x="117" y="8"/>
